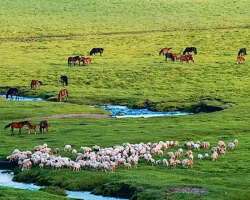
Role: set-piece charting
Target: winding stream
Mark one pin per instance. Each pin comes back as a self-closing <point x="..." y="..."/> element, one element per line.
<point x="6" y="181"/>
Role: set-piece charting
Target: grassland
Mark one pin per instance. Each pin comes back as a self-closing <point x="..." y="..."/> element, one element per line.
<point x="37" y="37"/>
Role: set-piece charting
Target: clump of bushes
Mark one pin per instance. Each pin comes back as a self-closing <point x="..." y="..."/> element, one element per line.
<point x="54" y="190"/>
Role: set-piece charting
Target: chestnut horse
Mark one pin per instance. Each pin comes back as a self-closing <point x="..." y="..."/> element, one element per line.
<point x="85" y="61"/>
<point x="240" y="59"/>
<point x="164" y="51"/>
<point x="63" y="94"/>
<point x="35" y="83"/>
<point x="31" y="126"/>
<point x="18" y="125"/>
<point x="44" y="125"/>
<point x="186" y="58"/>
<point x="13" y="91"/>
<point x="72" y="60"/>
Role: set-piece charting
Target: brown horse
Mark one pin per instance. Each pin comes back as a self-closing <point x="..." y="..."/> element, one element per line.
<point x="31" y="126"/>
<point x="44" y="125"/>
<point x="18" y="125"/>
<point x="72" y="60"/>
<point x="11" y="92"/>
<point x="164" y="51"/>
<point x="35" y="83"/>
<point x="187" y="58"/>
<point x="240" y="59"/>
<point x="63" y="94"/>
<point x="85" y="61"/>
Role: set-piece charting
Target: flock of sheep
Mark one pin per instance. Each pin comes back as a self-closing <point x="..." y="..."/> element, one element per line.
<point x="126" y="155"/>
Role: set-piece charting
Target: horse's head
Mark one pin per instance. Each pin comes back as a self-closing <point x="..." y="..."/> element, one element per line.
<point x="195" y="51"/>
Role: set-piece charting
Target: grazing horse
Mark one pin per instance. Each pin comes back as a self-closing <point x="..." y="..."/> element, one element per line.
<point x="35" y="83"/>
<point x="164" y="51"/>
<point x="63" y="94"/>
<point x="64" y="80"/>
<point x="31" y="126"/>
<point x="44" y="125"/>
<point x="190" y="49"/>
<point x="85" y="61"/>
<point x="96" y="50"/>
<point x="240" y="59"/>
<point x="186" y="58"/>
<point x="72" y="60"/>
<point x="18" y="125"/>
<point x="170" y="56"/>
<point x="175" y="56"/>
<point x="242" y="52"/>
<point x="11" y="92"/>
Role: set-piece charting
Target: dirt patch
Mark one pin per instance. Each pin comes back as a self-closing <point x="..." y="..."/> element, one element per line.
<point x="190" y="190"/>
<point x="83" y="115"/>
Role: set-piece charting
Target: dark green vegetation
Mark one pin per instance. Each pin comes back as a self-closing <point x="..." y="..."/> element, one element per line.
<point x="37" y="37"/>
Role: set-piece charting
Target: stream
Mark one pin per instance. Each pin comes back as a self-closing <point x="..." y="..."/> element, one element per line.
<point x="6" y="181"/>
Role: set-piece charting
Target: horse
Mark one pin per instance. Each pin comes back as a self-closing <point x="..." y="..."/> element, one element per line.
<point x="64" y="80"/>
<point x="35" y="83"/>
<point x="72" y="60"/>
<point x="11" y="92"/>
<point x="85" y="61"/>
<point x="240" y="59"/>
<point x="186" y="58"/>
<point x="190" y="49"/>
<point x="164" y="51"/>
<point x="63" y="94"/>
<point x="96" y="50"/>
<point x="44" y="125"/>
<point x="242" y="52"/>
<point x="18" y="125"/>
<point x="175" y="56"/>
<point x="31" y="126"/>
<point x="170" y="56"/>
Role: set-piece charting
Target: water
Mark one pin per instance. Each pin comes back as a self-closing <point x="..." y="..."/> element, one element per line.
<point x="124" y="111"/>
<point x="6" y="181"/>
<point x="21" y="98"/>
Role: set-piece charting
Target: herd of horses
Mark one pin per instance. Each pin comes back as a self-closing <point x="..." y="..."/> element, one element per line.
<point x="85" y="61"/>
<point x="19" y="125"/>
<point x="189" y="57"/>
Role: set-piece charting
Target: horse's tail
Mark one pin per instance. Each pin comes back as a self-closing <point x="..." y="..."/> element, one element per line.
<point x="59" y="97"/>
<point x="7" y="126"/>
<point x="160" y="52"/>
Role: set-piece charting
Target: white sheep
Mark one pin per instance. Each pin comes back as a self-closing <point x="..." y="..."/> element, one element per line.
<point x="67" y="148"/>
<point x="200" y="156"/>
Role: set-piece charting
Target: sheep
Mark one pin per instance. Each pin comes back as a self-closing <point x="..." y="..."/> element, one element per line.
<point x="196" y="147"/>
<point x="74" y="152"/>
<point x="172" y="163"/>
<point x="127" y="165"/>
<point x="158" y="162"/>
<point x="86" y="149"/>
<point x="205" y="145"/>
<point x="214" y="156"/>
<point x="165" y="162"/>
<point x="206" y="155"/>
<point x="55" y="151"/>
<point x="223" y="151"/>
<point x="231" y="145"/>
<point x="187" y="163"/>
<point x="200" y="156"/>
<point x="67" y="148"/>
<point x="221" y="144"/>
<point x="235" y="142"/>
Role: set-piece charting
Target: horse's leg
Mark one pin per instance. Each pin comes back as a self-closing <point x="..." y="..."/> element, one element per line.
<point x="12" y="131"/>
<point x="19" y="133"/>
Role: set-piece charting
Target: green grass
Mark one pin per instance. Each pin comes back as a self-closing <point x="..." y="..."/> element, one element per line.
<point x="38" y="37"/>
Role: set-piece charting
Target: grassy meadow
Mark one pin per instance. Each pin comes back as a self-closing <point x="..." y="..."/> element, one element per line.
<point x="36" y="39"/>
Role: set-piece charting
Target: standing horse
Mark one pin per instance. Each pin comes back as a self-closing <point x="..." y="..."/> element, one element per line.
<point x="63" y="94"/>
<point x="242" y="52"/>
<point x="190" y="49"/>
<point x="170" y="56"/>
<point x="13" y="91"/>
<point x="96" y="50"/>
<point x="164" y="51"/>
<point x="240" y="59"/>
<point x="18" y="125"/>
<point x="72" y="60"/>
<point x="85" y="61"/>
<point x="31" y="126"/>
<point x="44" y="125"/>
<point x="186" y="58"/>
<point x="64" y="80"/>
<point x="35" y="83"/>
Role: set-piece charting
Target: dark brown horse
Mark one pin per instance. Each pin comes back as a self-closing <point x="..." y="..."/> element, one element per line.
<point x="35" y="83"/>
<point x="11" y="92"/>
<point x="96" y="50"/>
<point x="85" y="61"/>
<point x="63" y="94"/>
<point x="189" y="50"/>
<point x="18" y="125"/>
<point x="72" y="60"/>
<point x="242" y="52"/>
<point x="64" y="80"/>
<point x="170" y="56"/>
<point x="164" y="51"/>
<point x="44" y="125"/>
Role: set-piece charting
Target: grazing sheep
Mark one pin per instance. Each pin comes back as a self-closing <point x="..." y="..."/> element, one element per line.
<point x="206" y="155"/>
<point x="165" y="162"/>
<point x="231" y="145"/>
<point x="235" y="142"/>
<point x="67" y="148"/>
<point x="74" y="152"/>
<point x="200" y="156"/>
<point x="214" y="156"/>
<point x="197" y="147"/>
<point x="56" y="151"/>
<point x="221" y="144"/>
<point x="205" y="145"/>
